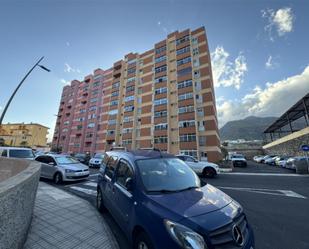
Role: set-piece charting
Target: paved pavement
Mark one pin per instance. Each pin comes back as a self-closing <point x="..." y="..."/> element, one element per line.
<point x="275" y="200"/>
<point x="62" y="220"/>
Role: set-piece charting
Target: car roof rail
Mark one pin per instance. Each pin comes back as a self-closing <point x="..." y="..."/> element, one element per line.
<point x="153" y="149"/>
<point x="118" y="148"/>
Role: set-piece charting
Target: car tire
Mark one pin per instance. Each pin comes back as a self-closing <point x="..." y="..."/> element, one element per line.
<point x="209" y="172"/>
<point x="99" y="201"/>
<point x="58" y="178"/>
<point x="142" y="241"/>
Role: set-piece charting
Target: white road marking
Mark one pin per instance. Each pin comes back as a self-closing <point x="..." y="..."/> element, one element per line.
<point x="94" y="174"/>
<point x="85" y="190"/>
<point x="287" y="193"/>
<point x="263" y="174"/>
<point x="91" y="184"/>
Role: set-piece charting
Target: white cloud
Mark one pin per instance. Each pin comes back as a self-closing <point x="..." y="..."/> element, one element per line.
<point x="228" y="73"/>
<point x="65" y="82"/>
<point x="281" y="20"/>
<point x="270" y="63"/>
<point x="272" y="100"/>
<point x="69" y="69"/>
<point x="68" y="44"/>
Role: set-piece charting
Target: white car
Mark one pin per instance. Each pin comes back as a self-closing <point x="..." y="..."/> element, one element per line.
<point x="203" y="168"/>
<point x="238" y="160"/>
<point x="17" y="152"/>
<point x="96" y="160"/>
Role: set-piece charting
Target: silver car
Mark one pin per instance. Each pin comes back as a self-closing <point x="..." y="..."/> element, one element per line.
<point x="62" y="168"/>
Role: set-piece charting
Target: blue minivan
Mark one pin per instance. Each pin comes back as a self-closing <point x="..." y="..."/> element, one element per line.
<point x="159" y="203"/>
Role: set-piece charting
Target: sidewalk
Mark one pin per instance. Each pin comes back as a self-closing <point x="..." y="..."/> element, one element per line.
<point x="61" y="220"/>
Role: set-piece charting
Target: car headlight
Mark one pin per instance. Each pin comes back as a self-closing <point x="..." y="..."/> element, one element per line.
<point x="184" y="236"/>
<point x="69" y="171"/>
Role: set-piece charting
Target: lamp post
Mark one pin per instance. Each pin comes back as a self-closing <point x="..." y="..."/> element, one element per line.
<point x="19" y="85"/>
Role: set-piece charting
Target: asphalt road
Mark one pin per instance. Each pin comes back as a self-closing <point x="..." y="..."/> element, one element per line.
<point x="276" y="205"/>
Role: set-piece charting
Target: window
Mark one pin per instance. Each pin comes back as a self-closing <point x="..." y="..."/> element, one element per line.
<point x="127" y="119"/>
<point x="130" y="88"/>
<point x="129" y="108"/>
<point x="186" y="123"/>
<point x="110" y="132"/>
<point x="111" y="121"/>
<point x="79" y="127"/>
<point x="160" y="139"/>
<point x="160" y="79"/>
<point x="140" y="91"/>
<point x="185" y="96"/>
<point x="196" y="74"/>
<point x="196" y="63"/>
<point x="160" y="126"/>
<point x="95" y="84"/>
<point x="185" y="109"/>
<point x="116" y="85"/>
<point x="127" y="141"/>
<point x="92" y="108"/>
<point x="114" y="102"/>
<point x="184" y="71"/>
<point x="161" y="58"/>
<point x="66" y="122"/>
<point x="96" y="77"/>
<point x="131" y="70"/>
<point x="160" y="49"/>
<point x="183" y="61"/>
<point x="3" y="152"/>
<point x="89" y="135"/>
<point x="93" y="100"/>
<point x="94" y="92"/>
<point x="183" y="50"/>
<point x="91" y="125"/>
<point x="82" y="110"/>
<point x="182" y="39"/>
<point x="116" y="93"/>
<point x="111" y="166"/>
<point x="127" y="130"/>
<point x="130" y="79"/>
<point x="160" y="69"/>
<point x="189" y="153"/>
<point x="201" y="125"/>
<point x="160" y="101"/>
<point x="185" y="83"/>
<point x="194" y="40"/>
<point x="161" y="90"/>
<point x="91" y="116"/>
<point x="65" y="130"/>
<point x="113" y="112"/>
<point x="187" y="138"/>
<point x="123" y="173"/>
<point x="129" y="98"/>
<point x="195" y="51"/>
<point x="160" y="114"/>
<point x="131" y="62"/>
<point x="200" y="112"/>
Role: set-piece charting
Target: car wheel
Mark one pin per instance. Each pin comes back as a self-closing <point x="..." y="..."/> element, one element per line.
<point x="58" y="178"/>
<point x="142" y="241"/>
<point x="209" y="172"/>
<point x="99" y="201"/>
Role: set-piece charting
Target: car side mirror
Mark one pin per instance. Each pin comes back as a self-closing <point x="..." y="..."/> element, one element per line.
<point x="129" y="184"/>
<point x="196" y="161"/>
<point x="52" y="164"/>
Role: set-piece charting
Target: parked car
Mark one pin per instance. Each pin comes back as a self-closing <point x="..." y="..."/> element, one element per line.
<point x="61" y="168"/>
<point x="17" y="152"/>
<point x="238" y="160"/>
<point x="291" y="162"/>
<point x="206" y="169"/>
<point x="258" y="159"/>
<point x="281" y="161"/>
<point x="265" y="158"/>
<point x="96" y="160"/>
<point x="271" y="160"/>
<point x="159" y="203"/>
<point x="82" y="157"/>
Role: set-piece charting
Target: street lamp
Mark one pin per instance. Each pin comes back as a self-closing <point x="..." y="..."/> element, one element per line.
<point x="19" y="85"/>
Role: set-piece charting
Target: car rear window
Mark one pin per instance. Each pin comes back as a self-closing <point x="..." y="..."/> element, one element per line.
<point x="21" y="153"/>
<point x="110" y="166"/>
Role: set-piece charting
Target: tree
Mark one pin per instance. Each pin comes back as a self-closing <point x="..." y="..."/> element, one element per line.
<point x="24" y="143"/>
<point x="2" y="142"/>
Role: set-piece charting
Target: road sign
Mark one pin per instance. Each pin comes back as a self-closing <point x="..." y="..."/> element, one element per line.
<point x="305" y="147"/>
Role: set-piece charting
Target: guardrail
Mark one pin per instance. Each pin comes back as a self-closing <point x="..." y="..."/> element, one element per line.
<point x="18" y="185"/>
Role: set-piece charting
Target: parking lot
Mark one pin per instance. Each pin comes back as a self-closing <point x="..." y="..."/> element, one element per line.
<point x="274" y="199"/>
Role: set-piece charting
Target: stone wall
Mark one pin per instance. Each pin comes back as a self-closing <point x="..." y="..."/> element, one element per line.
<point x="289" y="147"/>
<point x="18" y="187"/>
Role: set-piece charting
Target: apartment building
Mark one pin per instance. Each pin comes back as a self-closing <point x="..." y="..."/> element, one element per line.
<point x="161" y="98"/>
<point x="20" y="134"/>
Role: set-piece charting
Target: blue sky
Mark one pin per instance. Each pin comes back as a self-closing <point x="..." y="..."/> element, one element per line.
<point x="259" y="49"/>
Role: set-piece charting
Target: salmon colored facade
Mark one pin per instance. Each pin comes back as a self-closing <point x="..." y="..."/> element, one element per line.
<point x="162" y="98"/>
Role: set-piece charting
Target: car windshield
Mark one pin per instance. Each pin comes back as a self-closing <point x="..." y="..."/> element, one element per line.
<point x="66" y="160"/>
<point x="100" y="156"/>
<point x="80" y="155"/>
<point x="238" y="156"/>
<point x="21" y="153"/>
<point x="166" y="174"/>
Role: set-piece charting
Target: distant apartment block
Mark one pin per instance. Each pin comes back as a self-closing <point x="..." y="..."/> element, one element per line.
<point x="20" y="134"/>
<point x="162" y="98"/>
